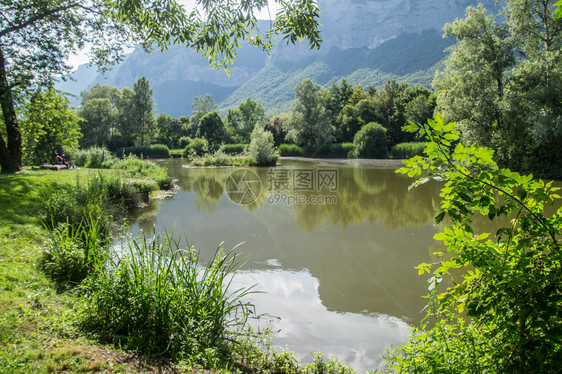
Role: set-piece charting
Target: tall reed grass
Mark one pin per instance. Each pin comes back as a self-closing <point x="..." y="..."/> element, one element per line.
<point x="290" y="150"/>
<point x="94" y="157"/>
<point x="147" y="151"/>
<point x="74" y="252"/>
<point x="145" y="170"/>
<point x="335" y="150"/>
<point x="155" y="297"/>
<point x="407" y="150"/>
<point x="234" y="149"/>
<point x="219" y="158"/>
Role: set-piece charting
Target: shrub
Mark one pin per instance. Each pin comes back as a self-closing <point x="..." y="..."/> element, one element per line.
<point x="371" y="141"/>
<point x="156" y="298"/>
<point x="184" y="141"/>
<point x="234" y="149"/>
<point x="94" y="157"/>
<point x="287" y="150"/>
<point x="407" y="150"/>
<point x="262" y="147"/>
<point x="197" y="147"/>
<point x="500" y="312"/>
<point x="152" y="151"/>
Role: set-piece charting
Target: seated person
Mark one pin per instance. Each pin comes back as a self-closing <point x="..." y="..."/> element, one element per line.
<point x="58" y="159"/>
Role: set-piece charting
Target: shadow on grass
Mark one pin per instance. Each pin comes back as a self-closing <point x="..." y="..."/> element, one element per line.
<point x="20" y="198"/>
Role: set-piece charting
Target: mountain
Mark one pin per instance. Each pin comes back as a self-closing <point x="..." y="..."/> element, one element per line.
<point x="80" y="80"/>
<point x="366" y="42"/>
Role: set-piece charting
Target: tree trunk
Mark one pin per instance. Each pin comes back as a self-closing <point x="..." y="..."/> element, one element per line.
<point x="10" y="153"/>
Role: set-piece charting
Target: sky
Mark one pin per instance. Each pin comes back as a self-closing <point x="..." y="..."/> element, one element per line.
<point x="82" y="57"/>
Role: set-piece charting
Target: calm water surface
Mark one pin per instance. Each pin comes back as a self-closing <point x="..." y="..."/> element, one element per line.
<point x="332" y="243"/>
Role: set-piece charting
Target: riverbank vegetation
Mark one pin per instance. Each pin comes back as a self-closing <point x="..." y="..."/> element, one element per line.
<point x="503" y="313"/>
<point x="67" y="290"/>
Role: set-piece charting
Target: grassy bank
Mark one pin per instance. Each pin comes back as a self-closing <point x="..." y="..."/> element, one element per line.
<point x="47" y="328"/>
<point x="36" y="329"/>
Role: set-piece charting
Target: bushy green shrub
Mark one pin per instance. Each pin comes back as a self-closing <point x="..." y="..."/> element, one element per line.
<point x="407" y="150"/>
<point x="94" y="157"/>
<point x="148" y="151"/>
<point x="234" y="149"/>
<point x="157" y="298"/>
<point x="262" y="147"/>
<point x="184" y="142"/>
<point x="287" y="150"/>
<point x="371" y="142"/>
<point x="197" y="147"/>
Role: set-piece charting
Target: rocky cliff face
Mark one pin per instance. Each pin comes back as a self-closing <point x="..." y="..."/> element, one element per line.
<point x="349" y="24"/>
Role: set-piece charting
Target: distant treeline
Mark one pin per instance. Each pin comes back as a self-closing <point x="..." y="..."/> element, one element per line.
<point x="123" y="120"/>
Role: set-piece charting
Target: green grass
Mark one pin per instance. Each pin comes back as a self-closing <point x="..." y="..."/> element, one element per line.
<point x="94" y="157"/>
<point x="234" y="149"/>
<point x="36" y="330"/>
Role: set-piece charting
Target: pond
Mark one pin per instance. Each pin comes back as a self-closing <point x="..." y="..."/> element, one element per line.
<point x="333" y="245"/>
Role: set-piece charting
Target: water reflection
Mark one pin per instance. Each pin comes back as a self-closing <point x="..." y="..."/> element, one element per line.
<point x="364" y="193"/>
<point x="356" y="338"/>
<point x="340" y="276"/>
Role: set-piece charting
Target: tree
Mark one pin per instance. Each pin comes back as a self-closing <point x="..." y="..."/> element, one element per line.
<point x="211" y="127"/>
<point x="420" y="108"/>
<point x="170" y="130"/>
<point x="98" y="91"/>
<point x="309" y="123"/>
<point x="335" y="99"/>
<point x="100" y="115"/>
<point x="243" y="120"/>
<point x="143" y="113"/>
<point x="276" y="126"/>
<point x="354" y="117"/>
<point x="201" y="106"/>
<point x="99" y="120"/>
<point x="371" y="141"/>
<point x="126" y="121"/>
<point x="503" y="84"/>
<point x="37" y="36"/>
<point x="262" y="147"/>
<point x="472" y="86"/>
<point x="48" y="125"/>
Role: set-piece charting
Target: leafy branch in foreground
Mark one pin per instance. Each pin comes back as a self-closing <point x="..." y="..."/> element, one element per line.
<point x="505" y="313"/>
